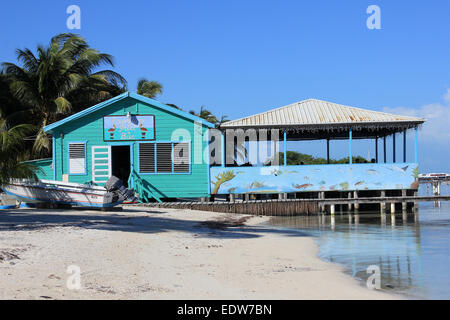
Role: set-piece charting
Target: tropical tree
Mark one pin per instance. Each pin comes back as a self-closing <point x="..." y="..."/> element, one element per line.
<point x="11" y="153"/>
<point x="149" y="89"/>
<point x="205" y="114"/>
<point x="61" y="78"/>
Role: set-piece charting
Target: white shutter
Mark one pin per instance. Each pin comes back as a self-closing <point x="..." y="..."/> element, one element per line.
<point x="77" y="158"/>
<point x="101" y="163"/>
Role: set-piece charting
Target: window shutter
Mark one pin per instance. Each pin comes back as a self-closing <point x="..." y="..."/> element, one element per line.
<point x="147" y="157"/>
<point x="77" y="158"/>
<point x="181" y="157"/>
<point x="164" y="157"/>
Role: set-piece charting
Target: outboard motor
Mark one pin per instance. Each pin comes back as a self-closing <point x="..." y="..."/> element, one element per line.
<point x="118" y="191"/>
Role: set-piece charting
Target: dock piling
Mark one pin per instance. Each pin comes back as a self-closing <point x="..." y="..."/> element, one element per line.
<point x="404" y="204"/>
<point x="383" y="204"/>
<point x="355" y="195"/>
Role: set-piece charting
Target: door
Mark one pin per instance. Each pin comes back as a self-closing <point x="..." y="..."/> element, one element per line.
<point x="121" y="162"/>
<point x="101" y="164"/>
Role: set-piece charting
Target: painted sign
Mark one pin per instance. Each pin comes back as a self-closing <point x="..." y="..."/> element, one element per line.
<point x="335" y="177"/>
<point x="130" y="127"/>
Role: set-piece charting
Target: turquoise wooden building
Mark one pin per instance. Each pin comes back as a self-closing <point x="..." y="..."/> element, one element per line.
<point x="163" y="152"/>
<point x="145" y="143"/>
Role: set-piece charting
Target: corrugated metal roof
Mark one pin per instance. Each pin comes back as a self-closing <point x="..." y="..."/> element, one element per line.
<point x="318" y="112"/>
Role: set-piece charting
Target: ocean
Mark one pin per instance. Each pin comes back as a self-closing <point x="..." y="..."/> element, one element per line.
<point x="412" y="251"/>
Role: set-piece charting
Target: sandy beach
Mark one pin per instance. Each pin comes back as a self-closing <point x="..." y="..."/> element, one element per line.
<point x="162" y="254"/>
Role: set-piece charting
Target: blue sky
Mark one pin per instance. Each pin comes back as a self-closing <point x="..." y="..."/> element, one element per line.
<point x="242" y="57"/>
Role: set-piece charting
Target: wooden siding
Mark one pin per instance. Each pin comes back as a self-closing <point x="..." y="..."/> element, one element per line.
<point x="90" y="129"/>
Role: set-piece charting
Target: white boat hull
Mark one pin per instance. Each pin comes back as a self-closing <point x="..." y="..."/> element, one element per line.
<point x="60" y="193"/>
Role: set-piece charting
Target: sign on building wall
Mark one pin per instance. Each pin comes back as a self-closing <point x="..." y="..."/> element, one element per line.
<point x="129" y="127"/>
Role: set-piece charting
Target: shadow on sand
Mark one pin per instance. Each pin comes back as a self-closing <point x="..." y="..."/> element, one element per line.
<point x="125" y="221"/>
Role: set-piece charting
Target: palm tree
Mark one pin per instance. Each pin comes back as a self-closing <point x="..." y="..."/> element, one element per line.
<point x="11" y="151"/>
<point x="205" y="114"/>
<point x="49" y="82"/>
<point x="149" y="89"/>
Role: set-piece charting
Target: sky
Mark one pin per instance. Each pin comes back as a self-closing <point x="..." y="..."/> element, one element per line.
<point x="238" y="58"/>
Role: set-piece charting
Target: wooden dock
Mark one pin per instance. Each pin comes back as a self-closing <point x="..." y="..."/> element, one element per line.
<point x="293" y="207"/>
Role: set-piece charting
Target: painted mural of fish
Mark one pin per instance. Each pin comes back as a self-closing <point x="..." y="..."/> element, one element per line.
<point x="302" y="186"/>
<point x="399" y="169"/>
<point x="372" y="171"/>
<point x="276" y="172"/>
<point x="359" y="183"/>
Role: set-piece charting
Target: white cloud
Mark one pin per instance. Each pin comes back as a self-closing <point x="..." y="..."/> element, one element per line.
<point x="436" y="128"/>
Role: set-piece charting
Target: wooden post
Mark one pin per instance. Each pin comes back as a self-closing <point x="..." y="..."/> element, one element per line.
<point x="223" y="150"/>
<point x="376" y="149"/>
<point x="416" y="205"/>
<point x="355" y="195"/>
<point x="393" y="149"/>
<point x="383" y="204"/>
<point x="404" y="146"/>
<point x="332" y="209"/>
<point x="285" y="147"/>
<point x="404" y="204"/>
<point x="322" y="206"/>
<point x="328" y="151"/>
<point x="350" y="205"/>
<point x="384" y="149"/>
<point x="350" y="151"/>
<point x="393" y="208"/>
<point x="416" y="146"/>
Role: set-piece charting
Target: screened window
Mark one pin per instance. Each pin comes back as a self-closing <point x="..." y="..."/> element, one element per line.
<point x="164" y="157"/>
<point x="77" y="158"/>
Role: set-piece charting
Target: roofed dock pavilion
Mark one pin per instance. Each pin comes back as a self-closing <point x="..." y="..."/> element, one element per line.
<point x="320" y="120"/>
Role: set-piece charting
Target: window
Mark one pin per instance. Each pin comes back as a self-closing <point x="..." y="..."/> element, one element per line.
<point x="77" y="158"/>
<point x="164" y="157"/>
<point x="181" y="155"/>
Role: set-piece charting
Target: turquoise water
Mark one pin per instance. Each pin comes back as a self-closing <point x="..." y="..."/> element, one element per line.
<point x="412" y="251"/>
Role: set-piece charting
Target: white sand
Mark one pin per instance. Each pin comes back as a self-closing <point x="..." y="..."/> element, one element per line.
<point x="161" y="254"/>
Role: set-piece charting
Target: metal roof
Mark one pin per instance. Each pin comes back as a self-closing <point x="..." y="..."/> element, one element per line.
<point x="313" y="112"/>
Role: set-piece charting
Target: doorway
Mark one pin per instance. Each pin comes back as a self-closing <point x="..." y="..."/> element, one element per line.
<point x="121" y="163"/>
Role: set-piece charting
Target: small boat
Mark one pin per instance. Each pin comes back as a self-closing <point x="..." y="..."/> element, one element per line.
<point x="67" y="193"/>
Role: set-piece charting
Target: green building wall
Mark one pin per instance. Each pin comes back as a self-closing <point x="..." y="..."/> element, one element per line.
<point x="44" y="168"/>
<point x="89" y="129"/>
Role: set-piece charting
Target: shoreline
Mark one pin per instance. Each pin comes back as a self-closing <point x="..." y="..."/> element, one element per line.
<point x="164" y="254"/>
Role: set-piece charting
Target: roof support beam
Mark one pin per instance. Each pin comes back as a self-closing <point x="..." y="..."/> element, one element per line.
<point x="350" y="151"/>
<point x="284" y="147"/>
<point x="328" y="151"/>
<point x="404" y="146"/>
<point x="416" y="146"/>
<point x="393" y="148"/>
<point x="376" y="149"/>
<point x="223" y="149"/>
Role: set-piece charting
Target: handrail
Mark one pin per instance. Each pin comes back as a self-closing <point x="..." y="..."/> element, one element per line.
<point x="140" y="189"/>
